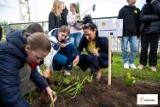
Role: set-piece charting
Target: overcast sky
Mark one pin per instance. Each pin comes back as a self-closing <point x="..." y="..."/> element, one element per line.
<point x="10" y="12"/>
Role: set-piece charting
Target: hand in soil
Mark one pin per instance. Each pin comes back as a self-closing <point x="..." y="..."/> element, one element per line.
<point x="52" y="94"/>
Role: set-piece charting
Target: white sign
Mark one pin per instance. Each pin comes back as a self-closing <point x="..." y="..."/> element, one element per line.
<point x="147" y="99"/>
<point x="110" y="27"/>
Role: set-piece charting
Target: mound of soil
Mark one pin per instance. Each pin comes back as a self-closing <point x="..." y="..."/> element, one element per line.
<point x="100" y="94"/>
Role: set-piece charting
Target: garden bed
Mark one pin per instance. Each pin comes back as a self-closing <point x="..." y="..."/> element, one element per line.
<point x="100" y="94"/>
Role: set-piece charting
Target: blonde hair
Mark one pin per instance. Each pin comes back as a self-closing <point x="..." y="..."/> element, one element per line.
<point x="39" y="41"/>
<point x="57" y="7"/>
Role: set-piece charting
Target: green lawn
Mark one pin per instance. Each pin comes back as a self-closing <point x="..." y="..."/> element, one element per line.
<point x="141" y="75"/>
<point x="118" y="72"/>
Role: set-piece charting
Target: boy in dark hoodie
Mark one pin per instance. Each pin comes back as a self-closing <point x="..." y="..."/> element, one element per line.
<point x="130" y="15"/>
<point x="150" y="30"/>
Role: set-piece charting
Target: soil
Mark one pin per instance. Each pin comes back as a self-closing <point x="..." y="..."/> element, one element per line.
<point x="100" y="94"/>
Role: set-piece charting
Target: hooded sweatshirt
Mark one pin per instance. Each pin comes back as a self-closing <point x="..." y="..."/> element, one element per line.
<point x="131" y="23"/>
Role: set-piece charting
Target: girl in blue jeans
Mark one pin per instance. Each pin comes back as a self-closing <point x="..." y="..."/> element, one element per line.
<point x="75" y="34"/>
<point x="62" y="52"/>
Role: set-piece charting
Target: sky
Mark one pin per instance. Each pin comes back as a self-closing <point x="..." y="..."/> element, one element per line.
<point x="10" y="9"/>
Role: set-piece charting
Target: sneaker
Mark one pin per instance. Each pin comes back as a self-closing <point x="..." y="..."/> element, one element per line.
<point x="133" y="66"/>
<point x="140" y="67"/>
<point x="126" y="66"/>
<point x="66" y="73"/>
<point x="153" y="68"/>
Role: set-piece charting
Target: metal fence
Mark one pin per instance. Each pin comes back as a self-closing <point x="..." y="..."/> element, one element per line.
<point x="116" y="43"/>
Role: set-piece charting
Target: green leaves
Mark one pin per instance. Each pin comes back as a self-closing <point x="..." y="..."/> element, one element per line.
<point x="129" y="81"/>
<point x="76" y="87"/>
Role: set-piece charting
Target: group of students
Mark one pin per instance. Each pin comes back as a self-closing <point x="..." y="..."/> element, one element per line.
<point x="144" y="24"/>
<point x="24" y="50"/>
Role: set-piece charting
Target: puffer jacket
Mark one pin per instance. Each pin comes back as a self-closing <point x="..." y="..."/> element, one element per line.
<point x="150" y="18"/>
<point x="12" y="58"/>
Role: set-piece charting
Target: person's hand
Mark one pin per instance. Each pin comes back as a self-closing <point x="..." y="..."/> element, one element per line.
<point x="63" y="45"/>
<point x="48" y="73"/>
<point x="76" y="60"/>
<point x="152" y="1"/>
<point x="95" y="52"/>
<point x="52" y="94"/>
<point x="120" y="37"/>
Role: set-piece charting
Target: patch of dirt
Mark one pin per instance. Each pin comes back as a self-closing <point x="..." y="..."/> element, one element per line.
<point x="100" y="94"/>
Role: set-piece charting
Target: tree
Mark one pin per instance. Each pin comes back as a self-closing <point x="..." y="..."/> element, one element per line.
<point x="27" y="11"/>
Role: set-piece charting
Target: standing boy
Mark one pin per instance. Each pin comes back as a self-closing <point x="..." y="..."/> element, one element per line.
<point x="130" y="15"/>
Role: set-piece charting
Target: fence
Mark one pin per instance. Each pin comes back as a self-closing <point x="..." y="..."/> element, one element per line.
<point x="116" y="43"/>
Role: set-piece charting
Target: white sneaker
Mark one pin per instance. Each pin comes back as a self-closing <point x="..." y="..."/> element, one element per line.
<point x="153" y="68"/>
<point x="126" y="66"/>
<point x="66" y="73"/>
<point x="133" y="66"/>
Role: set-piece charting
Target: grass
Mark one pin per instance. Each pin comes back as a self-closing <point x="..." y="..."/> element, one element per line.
<point x="118" y="72"/>
<point x="3" y="38"/>
<point x="141" y="75"/>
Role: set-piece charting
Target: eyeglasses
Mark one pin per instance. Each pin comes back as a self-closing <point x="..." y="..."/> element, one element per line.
<point x="38" y="58"/>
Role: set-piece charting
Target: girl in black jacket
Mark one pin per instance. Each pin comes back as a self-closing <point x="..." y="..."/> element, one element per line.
<point x="150" y="30"/>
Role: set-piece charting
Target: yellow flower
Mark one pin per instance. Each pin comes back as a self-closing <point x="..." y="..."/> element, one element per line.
<point x="128" y="75"/>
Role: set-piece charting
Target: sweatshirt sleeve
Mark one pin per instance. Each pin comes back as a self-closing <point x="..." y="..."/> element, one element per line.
<point x="120" y="14"/>
<point x="37" y="78"/>
<point x="51" y="21"/>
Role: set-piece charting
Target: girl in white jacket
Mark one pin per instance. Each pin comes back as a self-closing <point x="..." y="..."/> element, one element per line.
<point x="62" y="52"/>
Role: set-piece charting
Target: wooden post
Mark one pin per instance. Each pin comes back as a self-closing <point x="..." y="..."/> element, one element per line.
<point x="109" y="60"/>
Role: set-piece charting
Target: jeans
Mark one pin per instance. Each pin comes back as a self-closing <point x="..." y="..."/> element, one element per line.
<point x="75" y="38"/>
<point x="146" y="41"/>
<point x="133" y="48"/>
<point x="64" y="57"/>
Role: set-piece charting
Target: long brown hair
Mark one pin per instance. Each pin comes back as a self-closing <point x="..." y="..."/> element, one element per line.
<point x="39" y="41"/>
<point x="64" y="29"/>
<point x="75" y="6"/>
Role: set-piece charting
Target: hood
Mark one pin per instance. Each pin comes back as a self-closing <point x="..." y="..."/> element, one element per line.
<point x="16" y="38"/>
<point x="16" y="42"/>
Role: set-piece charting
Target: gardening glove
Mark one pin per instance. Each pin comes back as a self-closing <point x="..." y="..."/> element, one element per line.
<point x="76" y="60"/>
<point x="52" y="94"/>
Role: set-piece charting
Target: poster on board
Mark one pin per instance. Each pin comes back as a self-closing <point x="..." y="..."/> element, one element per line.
<point x="110" y="27"/>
